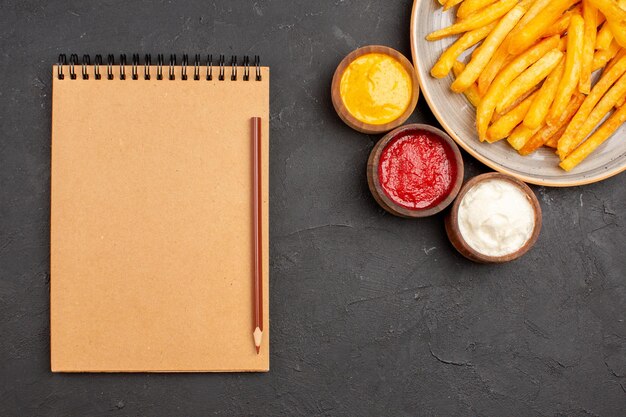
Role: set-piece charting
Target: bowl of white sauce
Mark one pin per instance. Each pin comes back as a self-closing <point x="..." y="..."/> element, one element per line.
<point x="495" y="218"/>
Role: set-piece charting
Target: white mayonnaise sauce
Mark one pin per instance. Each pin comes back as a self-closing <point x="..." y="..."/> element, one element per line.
<point x="496" y="218"/>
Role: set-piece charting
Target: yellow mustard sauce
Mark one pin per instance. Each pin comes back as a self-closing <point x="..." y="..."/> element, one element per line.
<point x="376" y="89"/>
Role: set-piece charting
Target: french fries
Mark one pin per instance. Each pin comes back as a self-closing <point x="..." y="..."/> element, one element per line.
<point x="490" y="100"/>
<point x="601" y="57"/>
<point x="606" y="104"/>
<point x="443" y="66"/>
<point x="470" y="6"/>
<point x="497" y="62"/>
<point x="604" y="38"/>
<point x="543" y="100"/>
<point x="603" y="133"/>
<point x="546" y="132"/>
<point x="590" y="17"/>
<point x="560" y="26"/>
<point x="530" y="78"/>
<point x="571" y="75"/>
<point x="472" y="94"/>
<point x="570" y="138"/>
<point x="503" y="127"/>
<point x="487" y="49"/>
<point x="475" y="21"/>
<point x="525" y="36"/>
<point x="451" y="3"/>
<point x="615" y="18"/>
<point x="520" y="136"/>
<point x="530" y="75"/>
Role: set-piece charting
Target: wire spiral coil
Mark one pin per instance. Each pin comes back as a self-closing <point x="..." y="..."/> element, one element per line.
<point x="173" y="69"/>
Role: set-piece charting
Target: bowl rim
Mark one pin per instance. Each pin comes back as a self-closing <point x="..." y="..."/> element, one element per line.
<point x="342" y="110"/>
<point x="461" y="245"/>
<point x="377" y="189"/>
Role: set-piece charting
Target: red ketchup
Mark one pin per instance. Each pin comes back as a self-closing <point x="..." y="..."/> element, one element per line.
<point x="417" y="170"/>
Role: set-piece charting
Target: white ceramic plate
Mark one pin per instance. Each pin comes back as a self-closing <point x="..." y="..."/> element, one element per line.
<point x="457" y="116"/>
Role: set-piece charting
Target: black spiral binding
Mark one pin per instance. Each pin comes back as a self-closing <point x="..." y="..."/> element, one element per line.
<point x="172" y="72"/>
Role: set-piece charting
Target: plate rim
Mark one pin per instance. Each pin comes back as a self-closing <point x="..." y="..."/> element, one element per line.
<point x="491" y="164"/>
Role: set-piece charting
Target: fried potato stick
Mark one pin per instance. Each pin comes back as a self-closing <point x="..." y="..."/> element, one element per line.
<point x="520" y="136"/>
<point x="446" y="61"/>
<point x="488" y="104"/>
<point x="540" y="106"/>
<point x="503" y="127"/>
<point x="525" y="36"/>
<point x="475" y="21"/>
<point x="570" y="138"/>
<point x="485" y="52"/>
<point x="470" y="6"/>
<point x="590" y="16"/>
<point x="605" y="105"/>
<point x="546" y="132"/>
<point x="602" y="134"/>
<point x="604" y="38"/>
<point x="472" y="94"/>
<point x="530" y="78"/>
<point x="571" y="75"/>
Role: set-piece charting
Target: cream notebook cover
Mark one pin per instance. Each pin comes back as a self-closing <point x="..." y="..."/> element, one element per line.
<point x="151" y="219"/>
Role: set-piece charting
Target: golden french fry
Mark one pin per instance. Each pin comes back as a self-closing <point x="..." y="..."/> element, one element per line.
<point x="485" y="52"/>
<point x="507" y="122"/>
<point x="475" y="21"/>
<point x="470" y="6"/>
<point x="516" y="103"/>
<point x="570" y="138"/>
<point x="443" y="66"/>
<point x="497" y="62"/>
<point x="603" y="133"/>
<point x="610" y="9"/>
<point x="534" y="9"/>
<point x="571" y="75"/>
<point x="604" y="38"/>
<point x="621" y="101"/>
<point x="501" y="57"/>
<point x="488" y="104"/>
<point x="546" y="132"/>
<point x="590" y="16"/>
<point x="618" y="29"/>
<point x="560" y="26"/>
<point x="520" y="135"/>
<point x="540" y="106"/>
<point x="620" y="53"/>
<point x="604" y="106"/>
<point x="472" y="94"/>
<point x="451" y="3"/>
<point x="530" y="78"/>
<point x="615" y="18"/>
<point x="601" y="57"/>
<point x="554" y="140"/>
<point x="525" y="36"/>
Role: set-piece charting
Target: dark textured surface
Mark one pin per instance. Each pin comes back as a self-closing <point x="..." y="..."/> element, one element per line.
<point x="371" y="315"/>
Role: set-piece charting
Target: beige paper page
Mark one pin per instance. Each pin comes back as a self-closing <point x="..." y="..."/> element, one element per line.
<point x="151" y="223"/>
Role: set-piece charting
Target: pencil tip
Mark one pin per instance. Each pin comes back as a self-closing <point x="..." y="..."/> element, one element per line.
<point x="258" y="335"/>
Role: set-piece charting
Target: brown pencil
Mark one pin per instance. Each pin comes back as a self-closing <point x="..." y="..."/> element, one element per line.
<point x="257" y="325"/>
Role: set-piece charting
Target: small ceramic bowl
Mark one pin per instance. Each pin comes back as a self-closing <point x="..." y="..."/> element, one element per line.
<point x="454" y="233"/>
<point x="377" y="189"/>
<point x="340" y="107"/>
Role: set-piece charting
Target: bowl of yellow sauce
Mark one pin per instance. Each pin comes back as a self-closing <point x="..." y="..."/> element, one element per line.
<point x="374" y="89"/>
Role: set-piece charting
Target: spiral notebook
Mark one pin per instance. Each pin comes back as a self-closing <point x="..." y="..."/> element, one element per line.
<point x="151" y="214"/>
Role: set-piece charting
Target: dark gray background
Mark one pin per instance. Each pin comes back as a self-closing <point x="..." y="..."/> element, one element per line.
<point x="371" y="315"/>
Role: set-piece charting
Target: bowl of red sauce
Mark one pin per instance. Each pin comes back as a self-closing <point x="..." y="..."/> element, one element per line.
<point x="415" y="170"/>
